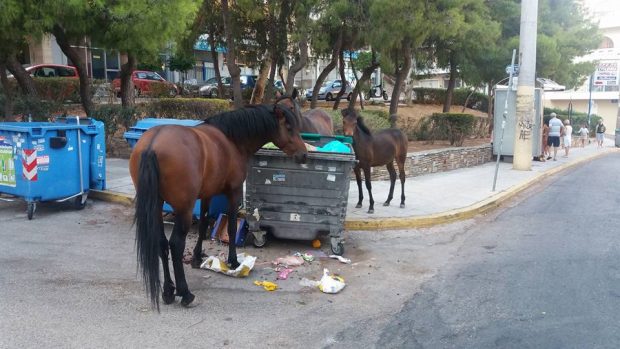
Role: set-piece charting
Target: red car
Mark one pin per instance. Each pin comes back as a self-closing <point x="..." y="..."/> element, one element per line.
<point x="146" y="83"/>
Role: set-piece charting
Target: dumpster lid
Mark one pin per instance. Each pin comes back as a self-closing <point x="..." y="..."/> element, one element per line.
<point x="147" y="123"/>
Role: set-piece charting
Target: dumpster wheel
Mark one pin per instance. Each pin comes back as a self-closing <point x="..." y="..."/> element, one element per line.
<point x="259" y="238"/>
<point x="32" y="206"/>
<point x="79" y="202"/>
<point x="337" y="247"/>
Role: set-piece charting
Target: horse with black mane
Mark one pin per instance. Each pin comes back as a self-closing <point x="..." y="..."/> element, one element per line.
<point x="179" y="165"/>
<point x="376" y="149"/>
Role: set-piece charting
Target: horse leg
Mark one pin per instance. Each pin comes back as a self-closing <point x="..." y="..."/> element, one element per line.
<point x="183" y="221"/>
<point x="358" y="178"/>
<point x="168" y="295"/>
<point x="401" y="173"/>
<point x="233" y="207"/>
<point x="392" y="172"/>
<point x="371" y="208"/>
<point x="203" y="223"/>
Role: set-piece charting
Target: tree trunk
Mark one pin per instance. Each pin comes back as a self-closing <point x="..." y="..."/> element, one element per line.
<point x="128" y="91"/>
<point x="328" y="68"/>
<point x="366" y="73"/>
<point x="343" y="80"/>
<point x="80" y="65"/>
<point x="8" y="93"/>
<point x="298" y="65"/>
<point x="24" y="80"/>
<point x="270" y="92"/>
<point x="401" y="75"/>
<point x="451" y="83"/>
<point x="231" y="57"/>
<point x="216" y="62"/>
<point x="357" y="81"/>
<point x="259" y="90"/>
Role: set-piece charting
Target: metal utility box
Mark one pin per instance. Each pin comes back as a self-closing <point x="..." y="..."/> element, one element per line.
<point x="501" y="93"/>
<point x="299" y="201"/>
<point x="44" y="161"/>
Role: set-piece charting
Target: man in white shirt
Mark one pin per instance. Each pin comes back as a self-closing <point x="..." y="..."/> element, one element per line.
<point x="556" y="127"/>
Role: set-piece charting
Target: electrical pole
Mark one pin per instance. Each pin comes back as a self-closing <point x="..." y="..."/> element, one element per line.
<point x="525" y="111"/>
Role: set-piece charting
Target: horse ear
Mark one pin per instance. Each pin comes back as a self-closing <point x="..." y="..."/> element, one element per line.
<point x="295" y="93"/>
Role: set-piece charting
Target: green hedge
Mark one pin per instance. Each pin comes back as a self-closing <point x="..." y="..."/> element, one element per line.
<point x="477" y="100"/>
<point x="113" y="115"/>
<point x="185" y="108"/>
<point x="454" y="127"/>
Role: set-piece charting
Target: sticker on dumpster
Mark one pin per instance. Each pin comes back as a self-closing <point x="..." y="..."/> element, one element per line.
<point x="331" y="178"/>
<point x="7" y="166"/>
<point x="318" y="167"/>
<point x="29" y="164"/>
<point x="43" y="160"/>
<point x="267" y="181"/>
<point x="295" y="217"/>
<point x="331" y="169"/>
<point x="262" y="163"/>
<point x="279" y="177"/>
<point x="39" y="147"/>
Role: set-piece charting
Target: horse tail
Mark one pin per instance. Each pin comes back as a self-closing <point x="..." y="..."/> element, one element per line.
<point x="149" y="224"/>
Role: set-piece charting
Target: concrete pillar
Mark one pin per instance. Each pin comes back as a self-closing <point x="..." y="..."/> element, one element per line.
<point x="525" y="109"/>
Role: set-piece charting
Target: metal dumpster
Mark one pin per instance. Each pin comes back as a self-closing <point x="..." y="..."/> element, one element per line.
<point x="219" y="203"/>
<point x="299" y="201"/>
<point x="45" y="161"/>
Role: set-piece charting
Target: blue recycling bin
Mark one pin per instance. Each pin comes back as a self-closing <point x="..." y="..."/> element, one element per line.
<point x="52" y="161"/>
<point x="218" y="204"/>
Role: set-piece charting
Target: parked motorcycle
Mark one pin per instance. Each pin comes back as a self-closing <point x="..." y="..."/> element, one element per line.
<point x="377" y="91"/>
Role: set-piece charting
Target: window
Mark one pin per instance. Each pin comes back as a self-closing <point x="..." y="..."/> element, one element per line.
<point x="64" y="72"/>
<point x="607" y="43"/>
<point x="141" y="75"/>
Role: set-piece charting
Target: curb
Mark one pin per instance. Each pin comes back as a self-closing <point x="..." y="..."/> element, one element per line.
<point x="480" y="207"/>
<point x="463" y="213"/>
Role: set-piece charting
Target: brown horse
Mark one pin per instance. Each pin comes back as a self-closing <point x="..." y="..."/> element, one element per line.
<point x="180" y="164"/>
<point x="376" y="149"/>
<point x="317" y="121"/>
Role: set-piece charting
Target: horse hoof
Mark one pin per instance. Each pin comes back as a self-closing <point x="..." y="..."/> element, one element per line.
<point x="234" y="264"/>
<point x="371" y="211"/>
<point x="187" y="300"/>
<point x="358" y="206"/>
<point x="386" y="204"/>
<point x="168" y="295"/>
<point x="196" y="263"/>
<point x="402" y="205"/>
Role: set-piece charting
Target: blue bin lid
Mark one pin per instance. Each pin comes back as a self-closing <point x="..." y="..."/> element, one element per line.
<point x="147" y="123"/>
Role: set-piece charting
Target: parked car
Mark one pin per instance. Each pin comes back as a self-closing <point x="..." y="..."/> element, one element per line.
<point x="146" y="83"/>
<point x="51" y="71"/>
<point x="209" y="89"/>
<point x="330" y="90"/>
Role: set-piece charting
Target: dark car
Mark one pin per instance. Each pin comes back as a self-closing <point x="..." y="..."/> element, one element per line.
<point x="209" y="89"/>
<point x="330" y="90"/>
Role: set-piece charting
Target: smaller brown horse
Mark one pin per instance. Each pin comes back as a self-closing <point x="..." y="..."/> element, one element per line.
<point x="378" y="149"/>
<point x="317" y="121"/>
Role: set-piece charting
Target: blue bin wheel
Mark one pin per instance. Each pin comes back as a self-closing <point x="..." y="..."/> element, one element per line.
<point x="32" y="206"/>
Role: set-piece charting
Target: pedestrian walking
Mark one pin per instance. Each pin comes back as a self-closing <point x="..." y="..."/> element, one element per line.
<point x="583" y="134"/>
<point x="545" y="139"/>
<point x="555" y="131"/>
<point x="600" y="133"/>
<point x="568" y="132"/>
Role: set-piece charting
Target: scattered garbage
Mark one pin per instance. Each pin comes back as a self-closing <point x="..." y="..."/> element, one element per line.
<point x="340" y="258"/>
<point x="267" y="285"/>
<point x="334" y="147"/>
<point x="218" y="265"/>
<point x="305" y="256"/>
<point x="283" y="274"/>
<point x="289" y="261"/>
<point x="329" y="283"/>
<point x="316" y="243"/>
<point x="317" y="254"/>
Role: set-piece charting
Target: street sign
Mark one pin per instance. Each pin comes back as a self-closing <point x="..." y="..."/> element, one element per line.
<point x="514" y="69"/>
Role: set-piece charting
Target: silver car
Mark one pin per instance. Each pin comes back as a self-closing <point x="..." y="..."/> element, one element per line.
<point x="330" y="90"/>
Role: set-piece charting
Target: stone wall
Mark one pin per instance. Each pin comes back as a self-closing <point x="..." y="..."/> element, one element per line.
<point x="439" y="160"/>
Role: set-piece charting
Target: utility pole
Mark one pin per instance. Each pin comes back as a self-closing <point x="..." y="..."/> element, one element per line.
<point x="526" y="112"/>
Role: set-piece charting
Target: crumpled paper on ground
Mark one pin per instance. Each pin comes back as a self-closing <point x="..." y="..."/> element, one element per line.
<point x="289" y="261"/>
<point x="246" y="263"/>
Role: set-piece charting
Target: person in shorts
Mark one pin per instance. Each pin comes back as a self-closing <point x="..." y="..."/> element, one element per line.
<point x="555" y="131"/>
<point x="583" y="134"/>
<point x="600" y="133"/>
<point x="567" y="138"/>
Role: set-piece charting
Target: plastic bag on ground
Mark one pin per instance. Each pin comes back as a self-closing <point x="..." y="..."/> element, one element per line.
<point x="246" y="263"/>
<point x="331" y="283"/>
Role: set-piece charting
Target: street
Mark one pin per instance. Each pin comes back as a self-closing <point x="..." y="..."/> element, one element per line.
<point x="540" y="272"/>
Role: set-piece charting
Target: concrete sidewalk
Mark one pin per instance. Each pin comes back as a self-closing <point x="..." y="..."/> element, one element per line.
<point x="430" y="199"/>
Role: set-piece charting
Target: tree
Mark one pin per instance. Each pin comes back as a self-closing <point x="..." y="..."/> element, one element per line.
<point x="182" y="63"/>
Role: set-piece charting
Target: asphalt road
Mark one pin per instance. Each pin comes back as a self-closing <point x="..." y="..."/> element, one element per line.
<point x="542" y="273"/>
